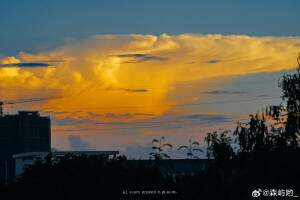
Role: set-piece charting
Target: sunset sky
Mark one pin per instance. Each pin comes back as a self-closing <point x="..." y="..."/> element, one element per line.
<point x="131" y="71"/>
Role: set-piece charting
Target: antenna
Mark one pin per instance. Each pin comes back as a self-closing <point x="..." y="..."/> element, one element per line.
<point x="24" y="101"/>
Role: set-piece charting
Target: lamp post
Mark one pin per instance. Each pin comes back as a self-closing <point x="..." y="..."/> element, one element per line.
<point x="5" y="171"/>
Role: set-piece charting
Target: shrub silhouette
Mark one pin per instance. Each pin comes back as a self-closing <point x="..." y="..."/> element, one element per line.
<point x="159" y="154"/>
<point x="191" y="148"/>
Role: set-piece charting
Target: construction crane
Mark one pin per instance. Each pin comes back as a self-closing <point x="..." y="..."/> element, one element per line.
<point x="24" y="101"/>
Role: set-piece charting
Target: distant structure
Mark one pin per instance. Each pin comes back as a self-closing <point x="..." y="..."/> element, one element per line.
<point x="24" y="132"/>
<point x="29" y="158"/>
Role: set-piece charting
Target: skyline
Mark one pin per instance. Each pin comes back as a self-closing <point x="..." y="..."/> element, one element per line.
<point x="122" y="88"/>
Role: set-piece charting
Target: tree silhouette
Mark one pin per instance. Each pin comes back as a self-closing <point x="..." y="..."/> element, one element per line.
<point x="290" y="85"/>
<point x="159" y="148"/>
<point x="278" y="127"/>
<point x="210" y="139"/>
<point x="254" y="135"/>
<point x="191" y="148"/>
<point x="219" y="146"/>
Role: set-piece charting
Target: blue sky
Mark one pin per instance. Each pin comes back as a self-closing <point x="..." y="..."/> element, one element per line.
<point x="26" y="25"/>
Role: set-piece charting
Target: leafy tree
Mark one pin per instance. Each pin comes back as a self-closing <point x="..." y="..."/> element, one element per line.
<point x="283" y="131"/>
<point x="290" y="85"/>
<point x="254" y="135"/>
<point x="158" y="146"/>
<point x="219" y="146"/>
<point x="193" y="146"/>
<point x="210" y="139"/>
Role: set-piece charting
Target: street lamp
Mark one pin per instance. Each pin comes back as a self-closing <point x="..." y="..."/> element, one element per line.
<point x="5" y="170"/>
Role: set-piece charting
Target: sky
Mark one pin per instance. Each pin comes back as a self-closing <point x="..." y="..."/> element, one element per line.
<point x="131" y="71"/>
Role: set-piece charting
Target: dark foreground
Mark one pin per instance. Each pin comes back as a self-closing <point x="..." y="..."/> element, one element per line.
<point x="98" y="177"/>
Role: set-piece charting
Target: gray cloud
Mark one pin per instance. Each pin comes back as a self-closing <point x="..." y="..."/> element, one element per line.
<point x="224" y="92"/>
<point x="263" y="95"/>
<point x="137" y="114"/>
<point x="137" y="151"/>
<point x="52" y="112"/>
<point x="141" y="57"/>
<point x="116" y="116"/>
<point x="132" y="55"/>
<point x="215" y="118"/>
<point x="128" y="89"/>
<point x="213" y="61"/>
<point x="94" y="114"/>
<point x="297" y="45"/>
<point x="69" y="121"/>
<point x="132" y="90"/>
<point x="153" y="58"/>
<point x="78" y="144"/>
<point x="127" y="115"/>
<point x="26" y="65"/>
<point x="54" y="61"/>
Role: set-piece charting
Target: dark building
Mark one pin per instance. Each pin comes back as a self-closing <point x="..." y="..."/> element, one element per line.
<point x="21" y="133"/>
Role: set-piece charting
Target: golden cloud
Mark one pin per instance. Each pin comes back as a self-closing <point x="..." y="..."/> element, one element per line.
<point x="100" y="74"/>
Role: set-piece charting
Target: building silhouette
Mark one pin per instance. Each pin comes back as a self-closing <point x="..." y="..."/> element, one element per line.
<point x="24" y="132"/>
